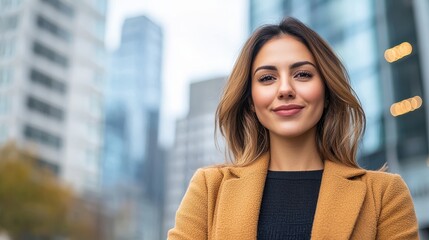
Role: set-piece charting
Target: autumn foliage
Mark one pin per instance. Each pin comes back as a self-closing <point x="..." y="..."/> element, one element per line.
<point x="34" y="204"/>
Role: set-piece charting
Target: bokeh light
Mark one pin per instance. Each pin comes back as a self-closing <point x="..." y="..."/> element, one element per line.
<point x="406" y="106"/>
<point x="398" y="52"/>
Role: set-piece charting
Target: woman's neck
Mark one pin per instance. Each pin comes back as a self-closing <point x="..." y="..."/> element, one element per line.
<point x="294" y="154"/>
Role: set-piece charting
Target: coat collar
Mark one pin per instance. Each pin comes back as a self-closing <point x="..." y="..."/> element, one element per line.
<point x="239" y="200"/>
<point x="340" y="200"/>
<point x="339" y="203"/>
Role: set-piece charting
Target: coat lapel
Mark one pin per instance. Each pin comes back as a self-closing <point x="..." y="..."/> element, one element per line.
<point x="240" y="201"/>
<point x="339" y="203"/>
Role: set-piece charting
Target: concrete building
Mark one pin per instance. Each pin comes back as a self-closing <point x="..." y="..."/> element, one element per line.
<point x="51" y="76"/>
<point x="194" y="144"/>
<point x="361" y="32"/>
<point x="133" y="163"/>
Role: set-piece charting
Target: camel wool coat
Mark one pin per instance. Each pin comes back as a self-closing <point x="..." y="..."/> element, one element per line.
<point x="223" y="203"/>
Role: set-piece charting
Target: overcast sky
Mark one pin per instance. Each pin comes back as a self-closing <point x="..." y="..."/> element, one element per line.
<point x="202" y="40"/>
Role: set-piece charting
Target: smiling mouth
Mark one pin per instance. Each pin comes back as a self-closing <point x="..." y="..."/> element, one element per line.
<point x="287" y="110"/>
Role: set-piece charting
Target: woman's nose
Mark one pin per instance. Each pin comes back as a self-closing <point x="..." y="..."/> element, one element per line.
<point x="286" y="90"/>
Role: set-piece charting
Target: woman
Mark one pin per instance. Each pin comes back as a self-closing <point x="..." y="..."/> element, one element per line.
<point x="292" y="124"/>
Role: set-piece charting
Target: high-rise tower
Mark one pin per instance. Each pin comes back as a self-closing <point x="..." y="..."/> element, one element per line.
<point x="133" y="164"/>
<point x="51" y="80"/>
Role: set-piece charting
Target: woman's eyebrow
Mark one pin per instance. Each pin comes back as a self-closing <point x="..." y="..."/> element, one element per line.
<point x="267" y="67"/>
<point x="292" y="66"/>
<point x="301" y="63"/>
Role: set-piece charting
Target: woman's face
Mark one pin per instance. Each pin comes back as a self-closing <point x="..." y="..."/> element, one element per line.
<point x="287" y="90"/>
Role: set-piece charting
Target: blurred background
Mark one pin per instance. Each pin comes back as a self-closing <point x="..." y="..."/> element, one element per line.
<point x="107" y="106"/>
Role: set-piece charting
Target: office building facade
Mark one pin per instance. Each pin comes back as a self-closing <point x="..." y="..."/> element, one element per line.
<point x="133" y="165"/>
<point x="51" y="80"/>
<point x="194" y="145"/>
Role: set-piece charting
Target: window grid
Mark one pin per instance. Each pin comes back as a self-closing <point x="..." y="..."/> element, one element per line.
<point x="44" y="108"/>
<point x="49" y="54"/>
<point x="47" y="25"/>
<point x="61" y="7"/>
<point x="46" y="81"/>
<point x="43" y="137"/>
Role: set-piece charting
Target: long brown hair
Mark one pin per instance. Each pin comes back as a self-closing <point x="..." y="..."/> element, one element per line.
<point x="341" y="125"/>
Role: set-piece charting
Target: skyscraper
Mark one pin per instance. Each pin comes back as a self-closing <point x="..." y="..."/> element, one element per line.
<point x="360" y="32"/>
<point x="195" y="143"/>
<point x="132" y="161"/>
<point x="51" y="75"/>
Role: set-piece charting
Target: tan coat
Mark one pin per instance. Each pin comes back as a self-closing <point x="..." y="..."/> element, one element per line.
<point x="224" y="202"/>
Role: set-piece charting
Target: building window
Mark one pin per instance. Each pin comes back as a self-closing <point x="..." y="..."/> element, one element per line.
<point x="60" y="6"/>
<point x="50" y="54"/>
<point x="46" y="81"/>
<point x="43" y="137"/>
<point x="44" y="108"/>
<point x="8" y="23"/>
<point x="6" y="48"/>
<point x="5" y="77"/>
<point x="45" y="24"/>
<point x="45" y="164"/>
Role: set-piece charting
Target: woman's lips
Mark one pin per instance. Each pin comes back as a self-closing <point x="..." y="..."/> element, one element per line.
<point x="288" y="110"/>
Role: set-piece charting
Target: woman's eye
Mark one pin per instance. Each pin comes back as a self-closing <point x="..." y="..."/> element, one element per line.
<point x="303" y="75"/>
<point x="266" y="78"/>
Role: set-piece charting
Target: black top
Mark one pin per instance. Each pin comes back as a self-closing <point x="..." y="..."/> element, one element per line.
<point x="288" y="205"/>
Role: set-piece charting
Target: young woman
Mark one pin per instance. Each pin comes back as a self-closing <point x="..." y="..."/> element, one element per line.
<point x="292" y="124"/>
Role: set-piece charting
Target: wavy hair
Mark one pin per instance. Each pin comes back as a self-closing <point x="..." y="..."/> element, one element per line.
<point x="343" y="120"/>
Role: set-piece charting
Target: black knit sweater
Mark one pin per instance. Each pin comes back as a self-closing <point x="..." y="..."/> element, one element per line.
<point x="288" y="205"/>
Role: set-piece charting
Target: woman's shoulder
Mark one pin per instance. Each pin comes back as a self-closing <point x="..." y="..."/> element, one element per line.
<point x="215" y="172"/>
<point x="385" y="181"/>
<point x="383" y="176"/>
<point x="210" y="178"/>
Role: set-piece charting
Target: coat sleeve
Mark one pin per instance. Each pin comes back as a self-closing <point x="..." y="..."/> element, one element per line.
<point x="397" y="217"/>
<point x="191" y="217"/>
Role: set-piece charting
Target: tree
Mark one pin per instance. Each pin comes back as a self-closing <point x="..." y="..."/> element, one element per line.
<point x="33" y="204"/>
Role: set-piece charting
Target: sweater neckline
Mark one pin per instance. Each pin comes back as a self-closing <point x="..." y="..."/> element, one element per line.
<point x="298" y="175"/>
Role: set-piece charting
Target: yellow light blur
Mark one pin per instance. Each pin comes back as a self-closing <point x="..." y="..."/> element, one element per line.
<point x="406" y="106"/>
<point x="405" y="48"/>
<point x="389" y="55"/>
<point x="398" y="52"/>
<point x="414" y="103"/>
<point x="419" y="101"/>
<point x="393" y="110"/>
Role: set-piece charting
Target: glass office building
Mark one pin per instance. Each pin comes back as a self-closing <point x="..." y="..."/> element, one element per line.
<point x="194" y="145"/>
<point x="132" y="167"/>
<point x="360" y="32"/>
